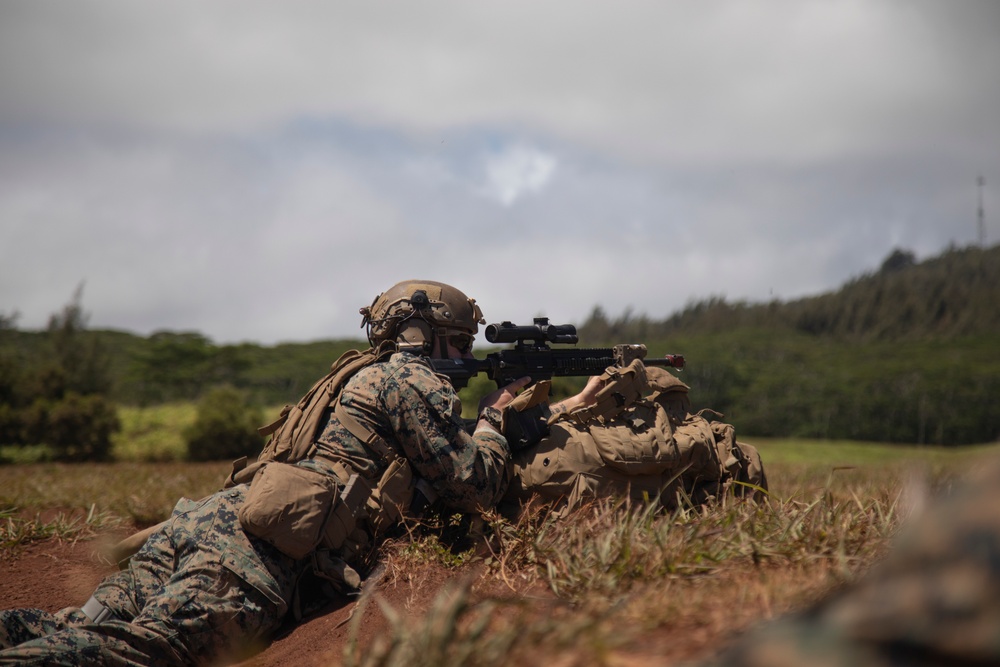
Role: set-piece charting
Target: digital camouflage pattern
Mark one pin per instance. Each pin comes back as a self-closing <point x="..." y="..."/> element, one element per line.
<point x="934" y="601"/>
<point x="200" y="591"/>
<point x="197" y="591"/>
<point x="417" y="411"/>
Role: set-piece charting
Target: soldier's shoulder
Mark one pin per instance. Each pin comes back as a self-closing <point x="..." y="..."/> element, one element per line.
<point x="401" y="367"/>
<point x="404" y="358"/>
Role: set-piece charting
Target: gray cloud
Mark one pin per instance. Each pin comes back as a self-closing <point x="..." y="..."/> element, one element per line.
<point x="259" y="171"/>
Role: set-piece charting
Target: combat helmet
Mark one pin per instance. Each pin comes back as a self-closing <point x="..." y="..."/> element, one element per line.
<point x="415" y="313"/>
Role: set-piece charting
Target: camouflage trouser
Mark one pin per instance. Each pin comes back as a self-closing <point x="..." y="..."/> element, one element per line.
<point x="200" y="591"/>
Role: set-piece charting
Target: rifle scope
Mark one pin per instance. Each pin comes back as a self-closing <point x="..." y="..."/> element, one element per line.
<point x="540" y="331"/>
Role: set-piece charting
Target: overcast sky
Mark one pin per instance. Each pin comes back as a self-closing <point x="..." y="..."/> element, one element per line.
<point x="257" y="171"/>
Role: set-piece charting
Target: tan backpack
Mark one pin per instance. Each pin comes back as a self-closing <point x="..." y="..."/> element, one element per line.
<point x="293" y="433"/>
<point x="296" y="508"/>
<point x="638" y="440"/>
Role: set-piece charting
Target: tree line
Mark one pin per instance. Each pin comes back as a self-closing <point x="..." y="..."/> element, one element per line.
<point x="906" y="353"/>
<point x="54" y="388"/>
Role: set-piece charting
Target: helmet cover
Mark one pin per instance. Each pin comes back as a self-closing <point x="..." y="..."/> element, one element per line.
<point x="413" y="312"/>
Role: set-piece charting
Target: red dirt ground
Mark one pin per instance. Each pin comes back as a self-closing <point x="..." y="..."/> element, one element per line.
<point x="54" y="574"/>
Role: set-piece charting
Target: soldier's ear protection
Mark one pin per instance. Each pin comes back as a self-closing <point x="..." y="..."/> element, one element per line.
<point x="415" y="333"/>
<point x="414" y="313"/>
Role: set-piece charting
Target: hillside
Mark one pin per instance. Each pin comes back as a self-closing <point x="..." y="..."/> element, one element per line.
<point x="906" y="353"/>
<point x="955" y="295"/>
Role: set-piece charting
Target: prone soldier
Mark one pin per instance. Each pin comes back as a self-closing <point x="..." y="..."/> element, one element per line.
<point x="220" y="574"/>
<point x="373" y="442"/>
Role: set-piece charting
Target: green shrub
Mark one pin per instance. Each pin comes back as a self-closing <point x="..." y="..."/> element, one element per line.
<point x="154" y="433"/>
<point x="53" y="399"/>
<point x="80" y="427"/>
<point x="11" y="428"/>
<point x="224" y="428"/>
<point x="73" y="428"/>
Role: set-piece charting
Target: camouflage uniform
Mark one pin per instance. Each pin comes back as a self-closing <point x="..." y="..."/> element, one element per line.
<point x="197" y="590"/>
<point x="934" y="601"/>
<point x="202" y="591"/>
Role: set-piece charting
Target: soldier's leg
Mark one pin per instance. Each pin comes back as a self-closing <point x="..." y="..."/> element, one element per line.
<point x="21" y="625"/>
<point x="178" y="628"/>
<point x="212" y="613"/>
<point x="226" y="592"/>
<point x="70" y="637"/>
<point x="67" y="637"/>
<point x="123" y="593"/>
<point x="35" y="637"/>
<point x="205" y="615"/>
<point x="83" y="646"/>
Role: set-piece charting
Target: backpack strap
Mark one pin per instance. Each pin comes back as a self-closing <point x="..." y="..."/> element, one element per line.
<point x="364" y="434"/>
<point x="292" y="435"/>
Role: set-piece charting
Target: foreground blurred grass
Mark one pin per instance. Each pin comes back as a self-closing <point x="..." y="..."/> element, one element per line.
<point x="803" y="467"/>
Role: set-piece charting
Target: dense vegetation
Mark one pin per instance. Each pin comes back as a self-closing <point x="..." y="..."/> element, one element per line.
<point x="55" y="392"/>
<point x="952" y="296"/>
<point x="907" y="353"/>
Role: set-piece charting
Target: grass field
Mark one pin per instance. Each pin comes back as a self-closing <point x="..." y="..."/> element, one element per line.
<point x="606" y="581"/>
<point x="637" y="587"/>
<point x="150" y="477"/>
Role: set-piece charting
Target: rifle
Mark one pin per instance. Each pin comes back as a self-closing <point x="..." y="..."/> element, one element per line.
<point x="531" y="356"/>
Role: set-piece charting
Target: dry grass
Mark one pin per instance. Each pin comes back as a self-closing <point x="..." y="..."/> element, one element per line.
<point x="136" y="493"/>
<point x="611" y="584"/>
<point x="619" y="585"/>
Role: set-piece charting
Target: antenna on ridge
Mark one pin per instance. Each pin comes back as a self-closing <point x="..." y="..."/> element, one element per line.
<point x="981" y="182"/>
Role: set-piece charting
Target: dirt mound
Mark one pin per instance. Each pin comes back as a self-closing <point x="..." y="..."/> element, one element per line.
<point x="322" y="638"/>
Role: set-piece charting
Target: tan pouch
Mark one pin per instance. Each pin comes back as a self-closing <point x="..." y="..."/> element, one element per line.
<point x="532" y="396"/>
<point x="351" y="504"/>
<point x="669" y="392"/>
<point x="639" y="442"/>
<point x="698" y="450"/>
<point x="393" y="496"/>
<point x="288" y="506"/>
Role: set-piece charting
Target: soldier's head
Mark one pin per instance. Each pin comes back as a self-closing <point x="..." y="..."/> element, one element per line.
<point x="423" y="317"/>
